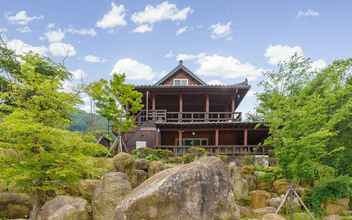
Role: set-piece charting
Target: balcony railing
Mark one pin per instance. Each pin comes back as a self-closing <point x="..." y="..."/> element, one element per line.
<point x="184" y="117"/>
<point x="222" y="149"/>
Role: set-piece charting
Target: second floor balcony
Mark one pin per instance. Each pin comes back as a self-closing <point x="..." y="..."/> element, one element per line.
<point x="164" y="116"/>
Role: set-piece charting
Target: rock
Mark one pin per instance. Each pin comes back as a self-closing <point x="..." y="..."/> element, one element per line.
<point x="273" y="217"/>
<point x="141" y="176"/>
<point x="251" y="180"/>
<point x="155" y="167"/>
<point x="264" y="211"/>
<point x="64" y="208"/>
<point x="15" y="205"/>
<point x="86" y="188"/>
<point x="333" y="217"/>
<point x="275" y="202"/>
<point x="259" y="199"/>
<point x="200" y="190"/>
<point x="281" y="186"/>
<point x="124" y="163"/>
<point x="245" y="211"/>
<point x="247" y="169"/>
<point x="336" y="207"/>
<point x="142" y="164"/>
<point x="108" y="193"/>
<point x="239" y="185"/>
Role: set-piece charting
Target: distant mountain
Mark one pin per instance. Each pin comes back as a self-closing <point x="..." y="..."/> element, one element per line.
<point x="83" y="121"/>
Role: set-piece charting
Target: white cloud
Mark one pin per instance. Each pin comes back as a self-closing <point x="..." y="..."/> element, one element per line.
<point x="281" y="53"/>
<point x="308" y="13"/>
<point x="55" y="35"/>
<point x="113" y="18"/>
<point x="216" y="82"/>
<point x="318" y="65"/>
<point x="94" y="59"/>
<point x="22" y="18"/>
<point x="226" y="67"/>
<point x="181" y="30"/>
<point x="24" y="29"/>
<point x="83" y="31"/>
<point x="133" y="69"/>
<point x="169" y="54"/>
<point x="3" y="30"/>
<point x="60" y="49"/>
<point x="21" y="48"/>
<point x="143" y="28"/>
<point x="78" y="74"/>
<point x="220" y="30"/>
<point x="188" y="57"/>
<point x="51" y="25"/>
<point x="162" y="12"/>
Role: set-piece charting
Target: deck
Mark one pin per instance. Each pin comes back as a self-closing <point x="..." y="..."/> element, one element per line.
<point x="163" y="116"/>
<point x="230" y="150"/>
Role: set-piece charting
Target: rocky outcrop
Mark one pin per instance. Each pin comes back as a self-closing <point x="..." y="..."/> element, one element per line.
<point x="264" y="211"/>
<point x="239" y="184"/>
<point x="155" y="167"/>
<point x="280" y="186"/>
<point x="259" y="199"/>
<point x="141" y="176"/>
<point x="142" y="164"/>
<point x="200" y="190"/>
<point x="87" y="187"/>
<point x="336" y="207"/>
<point x="64" y="208"/>
<point x="333" y="217"/>
<point x="108" y="193"/>
<point x="124" y="163"/>
<point x="14" y="205"/>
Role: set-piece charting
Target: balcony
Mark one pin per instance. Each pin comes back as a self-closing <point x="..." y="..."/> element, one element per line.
<point x="163" y="116"/>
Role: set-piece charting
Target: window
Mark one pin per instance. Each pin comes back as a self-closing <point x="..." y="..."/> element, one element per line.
<point x="180" y="82"/>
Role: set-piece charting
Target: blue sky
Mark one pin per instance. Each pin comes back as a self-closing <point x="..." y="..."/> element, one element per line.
<point x="221" y="41"/>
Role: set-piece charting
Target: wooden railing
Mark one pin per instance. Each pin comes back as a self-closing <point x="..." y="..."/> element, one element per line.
<point x="222" y="149"/>
<point x="184" y="117"/>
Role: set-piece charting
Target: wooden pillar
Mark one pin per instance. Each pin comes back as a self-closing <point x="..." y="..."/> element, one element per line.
<point x="180" y="137"/>
<point x="147" y="105"/>
<point x="245" y="137"/>
<point x="206" y="103"/>
<point x="233" y="103"/>
<point x="180" y="103"/>
<point x="157" y="138"/>
<point x="153" y="103"/>
<point x="217" y="137"/>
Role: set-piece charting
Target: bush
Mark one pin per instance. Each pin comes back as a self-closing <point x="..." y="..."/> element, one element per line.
<point x="329" y="189"/>
<point x="152" y="154"/>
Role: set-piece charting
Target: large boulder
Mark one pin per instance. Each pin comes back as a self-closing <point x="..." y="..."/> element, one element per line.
<point x="141" y="176"/>
<point x="65" y="208"/>
<point x="108" y="193"/>
<point x="200" y="190"/>
<point x="239" y="184"/>
<point x="336" y="207"/>
<point x="333" y="217"/>
<point x="142" y="164"/>
<point x="259" y="199"/>
<point x="87" y="187"/>
<point x="155" y="167"/>
<point x="273" y="217"/>
<point x="124" y="163"/>
<point x="264" y="211"/>
<point x="15" y="205"/>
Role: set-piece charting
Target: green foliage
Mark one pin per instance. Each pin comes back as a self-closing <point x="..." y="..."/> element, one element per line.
<point x="116" y="101"/>
<point x="329" y="190"/>
<point x="152" y="154"/>
<point x="50" y="158"/>
<point x="310" y="118"/>
<point x="82" y="121"/>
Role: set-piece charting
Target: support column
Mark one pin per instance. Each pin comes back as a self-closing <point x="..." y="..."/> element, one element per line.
<point x="217" y="137"/>
<point x="233" y="103"/>
<point x="153" y="103"/>
<point x="147" y="106"/>
<point x="207" y="106"/>
<point x="157" y="138"/>
<point x="180" y="137"/>
<point x="245" y="137"/>
<point x="180" y="104"/>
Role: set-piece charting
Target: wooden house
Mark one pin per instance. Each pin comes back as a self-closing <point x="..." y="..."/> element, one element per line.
<point x="181" y="110"/>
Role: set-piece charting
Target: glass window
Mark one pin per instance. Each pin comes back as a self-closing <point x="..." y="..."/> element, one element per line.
<point x="180" y="82"/>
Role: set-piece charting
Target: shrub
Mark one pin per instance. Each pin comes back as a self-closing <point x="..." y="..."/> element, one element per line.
<point x="329" y="189"/>
<point x="152" y="154"/>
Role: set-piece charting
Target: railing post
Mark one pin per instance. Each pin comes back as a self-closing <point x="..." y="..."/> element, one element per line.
<point x="217" y="137"/>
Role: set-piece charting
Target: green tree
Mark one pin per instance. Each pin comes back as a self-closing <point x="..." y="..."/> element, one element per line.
<point x="310" y="116"/>
<point x="34" y="110"/>
<point x="118" y="102"/>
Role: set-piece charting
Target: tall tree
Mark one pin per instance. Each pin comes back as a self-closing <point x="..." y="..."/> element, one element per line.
<point x="310" y="116"/>
<point x="33" y="112"/>
<point x="118" y="102"/>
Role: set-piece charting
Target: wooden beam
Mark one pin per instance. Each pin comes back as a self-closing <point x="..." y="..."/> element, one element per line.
<point x="233" y="102"/>
<point x="153" y="102"/>
<point x="147" y="104"/>
<point x="157" y="138"/>
<point x="217" y="137"/>
<point x="180" y="99"/>
<point x="180" y="137"/>
<point x="245" y="137"/>
<point x="206" y="103"/>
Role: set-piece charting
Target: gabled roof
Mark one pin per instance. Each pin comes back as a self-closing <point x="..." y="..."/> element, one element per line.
<point x="180" y="66"/>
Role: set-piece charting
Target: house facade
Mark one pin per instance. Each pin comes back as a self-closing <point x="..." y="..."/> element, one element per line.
<point x="181" y="111"/>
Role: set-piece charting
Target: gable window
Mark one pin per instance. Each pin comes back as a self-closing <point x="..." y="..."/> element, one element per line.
<point x="180" y="82"/>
